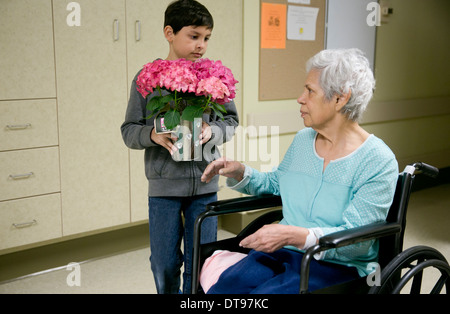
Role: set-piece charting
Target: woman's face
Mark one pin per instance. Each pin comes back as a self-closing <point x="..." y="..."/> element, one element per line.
<point x="315" y="110"/>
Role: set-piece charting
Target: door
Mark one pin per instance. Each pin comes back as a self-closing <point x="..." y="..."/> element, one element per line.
<point x="91" y="73"/>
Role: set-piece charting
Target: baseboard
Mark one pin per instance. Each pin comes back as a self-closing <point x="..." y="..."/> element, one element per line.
<point x="44" y="258"/>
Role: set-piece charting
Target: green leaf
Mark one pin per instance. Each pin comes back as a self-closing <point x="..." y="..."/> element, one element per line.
<point x="157" y="103"/>
<point x="168" y="98"/>
<point x="197" y="101"/>
<point x="171" y="119"/>
<point x="218" y="113"/>
<point x="192" y="112"/>
<point x="218" y="107"/>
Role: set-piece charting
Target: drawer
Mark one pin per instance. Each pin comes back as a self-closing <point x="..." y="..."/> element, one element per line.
<point x="30" y="220"/>
<point x="28" y="124"/>
<point x="29" y="172"/>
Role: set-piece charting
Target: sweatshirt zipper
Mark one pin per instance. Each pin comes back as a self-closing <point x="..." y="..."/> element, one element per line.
<point x="194" y="188"/>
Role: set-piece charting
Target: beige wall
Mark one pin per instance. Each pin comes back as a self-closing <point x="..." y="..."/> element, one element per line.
<point x="222" y="45"/>
<point x="412" y="64"/>
<point x="411" y="107"/>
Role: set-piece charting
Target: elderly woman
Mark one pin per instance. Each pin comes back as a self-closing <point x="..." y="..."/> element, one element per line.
<point x="334" y="176"/>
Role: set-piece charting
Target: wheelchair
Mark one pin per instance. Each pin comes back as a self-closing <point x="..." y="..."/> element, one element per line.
<point x="399" y="269"/>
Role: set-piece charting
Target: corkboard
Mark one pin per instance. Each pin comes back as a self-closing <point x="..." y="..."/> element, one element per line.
<point x="282" y="71"/>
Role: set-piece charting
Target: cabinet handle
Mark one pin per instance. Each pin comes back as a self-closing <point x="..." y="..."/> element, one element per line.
<point x="18" y="126"/>
<point x="21" y="176"/>
<point x="116" y="30"/>
<point x="138" y="30"/>
<point x="25" y="224"/>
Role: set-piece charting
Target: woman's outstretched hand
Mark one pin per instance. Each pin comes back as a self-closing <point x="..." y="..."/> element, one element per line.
<point x="225" y="167"/>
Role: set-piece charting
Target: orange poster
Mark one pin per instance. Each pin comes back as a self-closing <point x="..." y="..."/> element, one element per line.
<point x="273" y="26"/>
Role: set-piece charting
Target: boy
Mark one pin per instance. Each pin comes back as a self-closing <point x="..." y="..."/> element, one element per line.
<point x="175" y="188"/>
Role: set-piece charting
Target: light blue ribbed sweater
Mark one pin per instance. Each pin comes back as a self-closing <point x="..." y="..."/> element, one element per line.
<point x="353" y="191"/>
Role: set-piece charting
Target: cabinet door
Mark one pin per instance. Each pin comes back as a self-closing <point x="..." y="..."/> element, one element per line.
<point x="30" y="220"/>
<point x="145" y="35"/>
<point x="28" y="124"/>
<point x="92" y="94"/>
<point x="29" y="172"/>
<point x="27" y="65"/>
<point x="146" y="43"/>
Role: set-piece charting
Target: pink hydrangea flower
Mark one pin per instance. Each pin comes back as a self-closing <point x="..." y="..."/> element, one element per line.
<point x="212" y="86"/>
<point x="178" y="76"/>
<point x="206" y="68"/>
<point x="203" y="78"/>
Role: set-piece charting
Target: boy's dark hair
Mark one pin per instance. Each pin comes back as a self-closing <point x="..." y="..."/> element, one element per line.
<point x="181" y="13"/>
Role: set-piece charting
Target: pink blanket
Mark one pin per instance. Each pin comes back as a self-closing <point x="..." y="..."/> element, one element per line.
<point x="215" y="265"/>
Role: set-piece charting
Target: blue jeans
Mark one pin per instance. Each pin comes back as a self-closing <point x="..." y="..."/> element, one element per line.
<point x="166" y="232"/>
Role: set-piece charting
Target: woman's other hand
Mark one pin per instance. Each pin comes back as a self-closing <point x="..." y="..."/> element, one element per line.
<point x="271" y="238"/>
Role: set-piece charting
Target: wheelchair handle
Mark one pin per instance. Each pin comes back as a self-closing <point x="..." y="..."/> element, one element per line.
<point x="426" y="169"/>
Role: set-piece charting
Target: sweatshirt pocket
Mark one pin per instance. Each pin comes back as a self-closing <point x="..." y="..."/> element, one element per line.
<point x="156" y="161"/>
<point x="160" y="165"/>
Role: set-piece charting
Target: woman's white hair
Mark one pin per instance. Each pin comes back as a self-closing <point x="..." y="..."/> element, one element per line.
<point x="343" y="71"/>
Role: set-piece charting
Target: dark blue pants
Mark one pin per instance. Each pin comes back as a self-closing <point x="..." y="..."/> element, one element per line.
<point x="166" y="232"/>
<point x="278" y="273"/>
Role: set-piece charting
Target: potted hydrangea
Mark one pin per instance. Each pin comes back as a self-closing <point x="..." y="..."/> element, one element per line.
<point x="185" y="90"/>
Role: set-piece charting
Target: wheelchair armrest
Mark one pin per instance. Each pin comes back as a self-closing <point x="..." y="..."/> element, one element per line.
<point x="359" y="234"/>
<point x="230" y="206"/>
<point x="243" y="204"/>
<point x="345" y="238"/>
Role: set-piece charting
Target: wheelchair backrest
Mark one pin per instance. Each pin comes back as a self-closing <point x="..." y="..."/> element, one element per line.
<point x="391" y="246"/>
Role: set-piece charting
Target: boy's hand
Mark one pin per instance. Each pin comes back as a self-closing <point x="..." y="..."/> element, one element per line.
<point x="206" y="134"/>
<point x="166" y="140"/>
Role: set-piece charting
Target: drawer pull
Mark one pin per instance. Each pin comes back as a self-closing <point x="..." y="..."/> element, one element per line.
<point x="137" y="30"/>
<point x="25" y="224"/>
<point x="21" y="176"/>
<point x="116" y="30"/>
<point x="15" y="127"/>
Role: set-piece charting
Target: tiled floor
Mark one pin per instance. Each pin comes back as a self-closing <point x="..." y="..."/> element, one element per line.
<point x="129" y="271"/>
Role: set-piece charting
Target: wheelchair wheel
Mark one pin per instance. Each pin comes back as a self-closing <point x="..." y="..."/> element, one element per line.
<point x="407" y="269"/>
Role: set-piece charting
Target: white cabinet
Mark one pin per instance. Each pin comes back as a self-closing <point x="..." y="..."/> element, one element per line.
<point x="27" y="68"/>
<point x="64" y="89"/>
<point x="145" y="43"/>
<point x="91" y="71"/>
<point x="28" y="124"/>
<point x="103" y="184"/>
<point x="29" y="172"/>
<point x="30" y="220"/>
<point x="71" y="143"/>
<point x="30" y="206"/>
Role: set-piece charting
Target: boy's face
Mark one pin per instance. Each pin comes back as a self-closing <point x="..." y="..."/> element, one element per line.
<point x="189" y="43"/>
